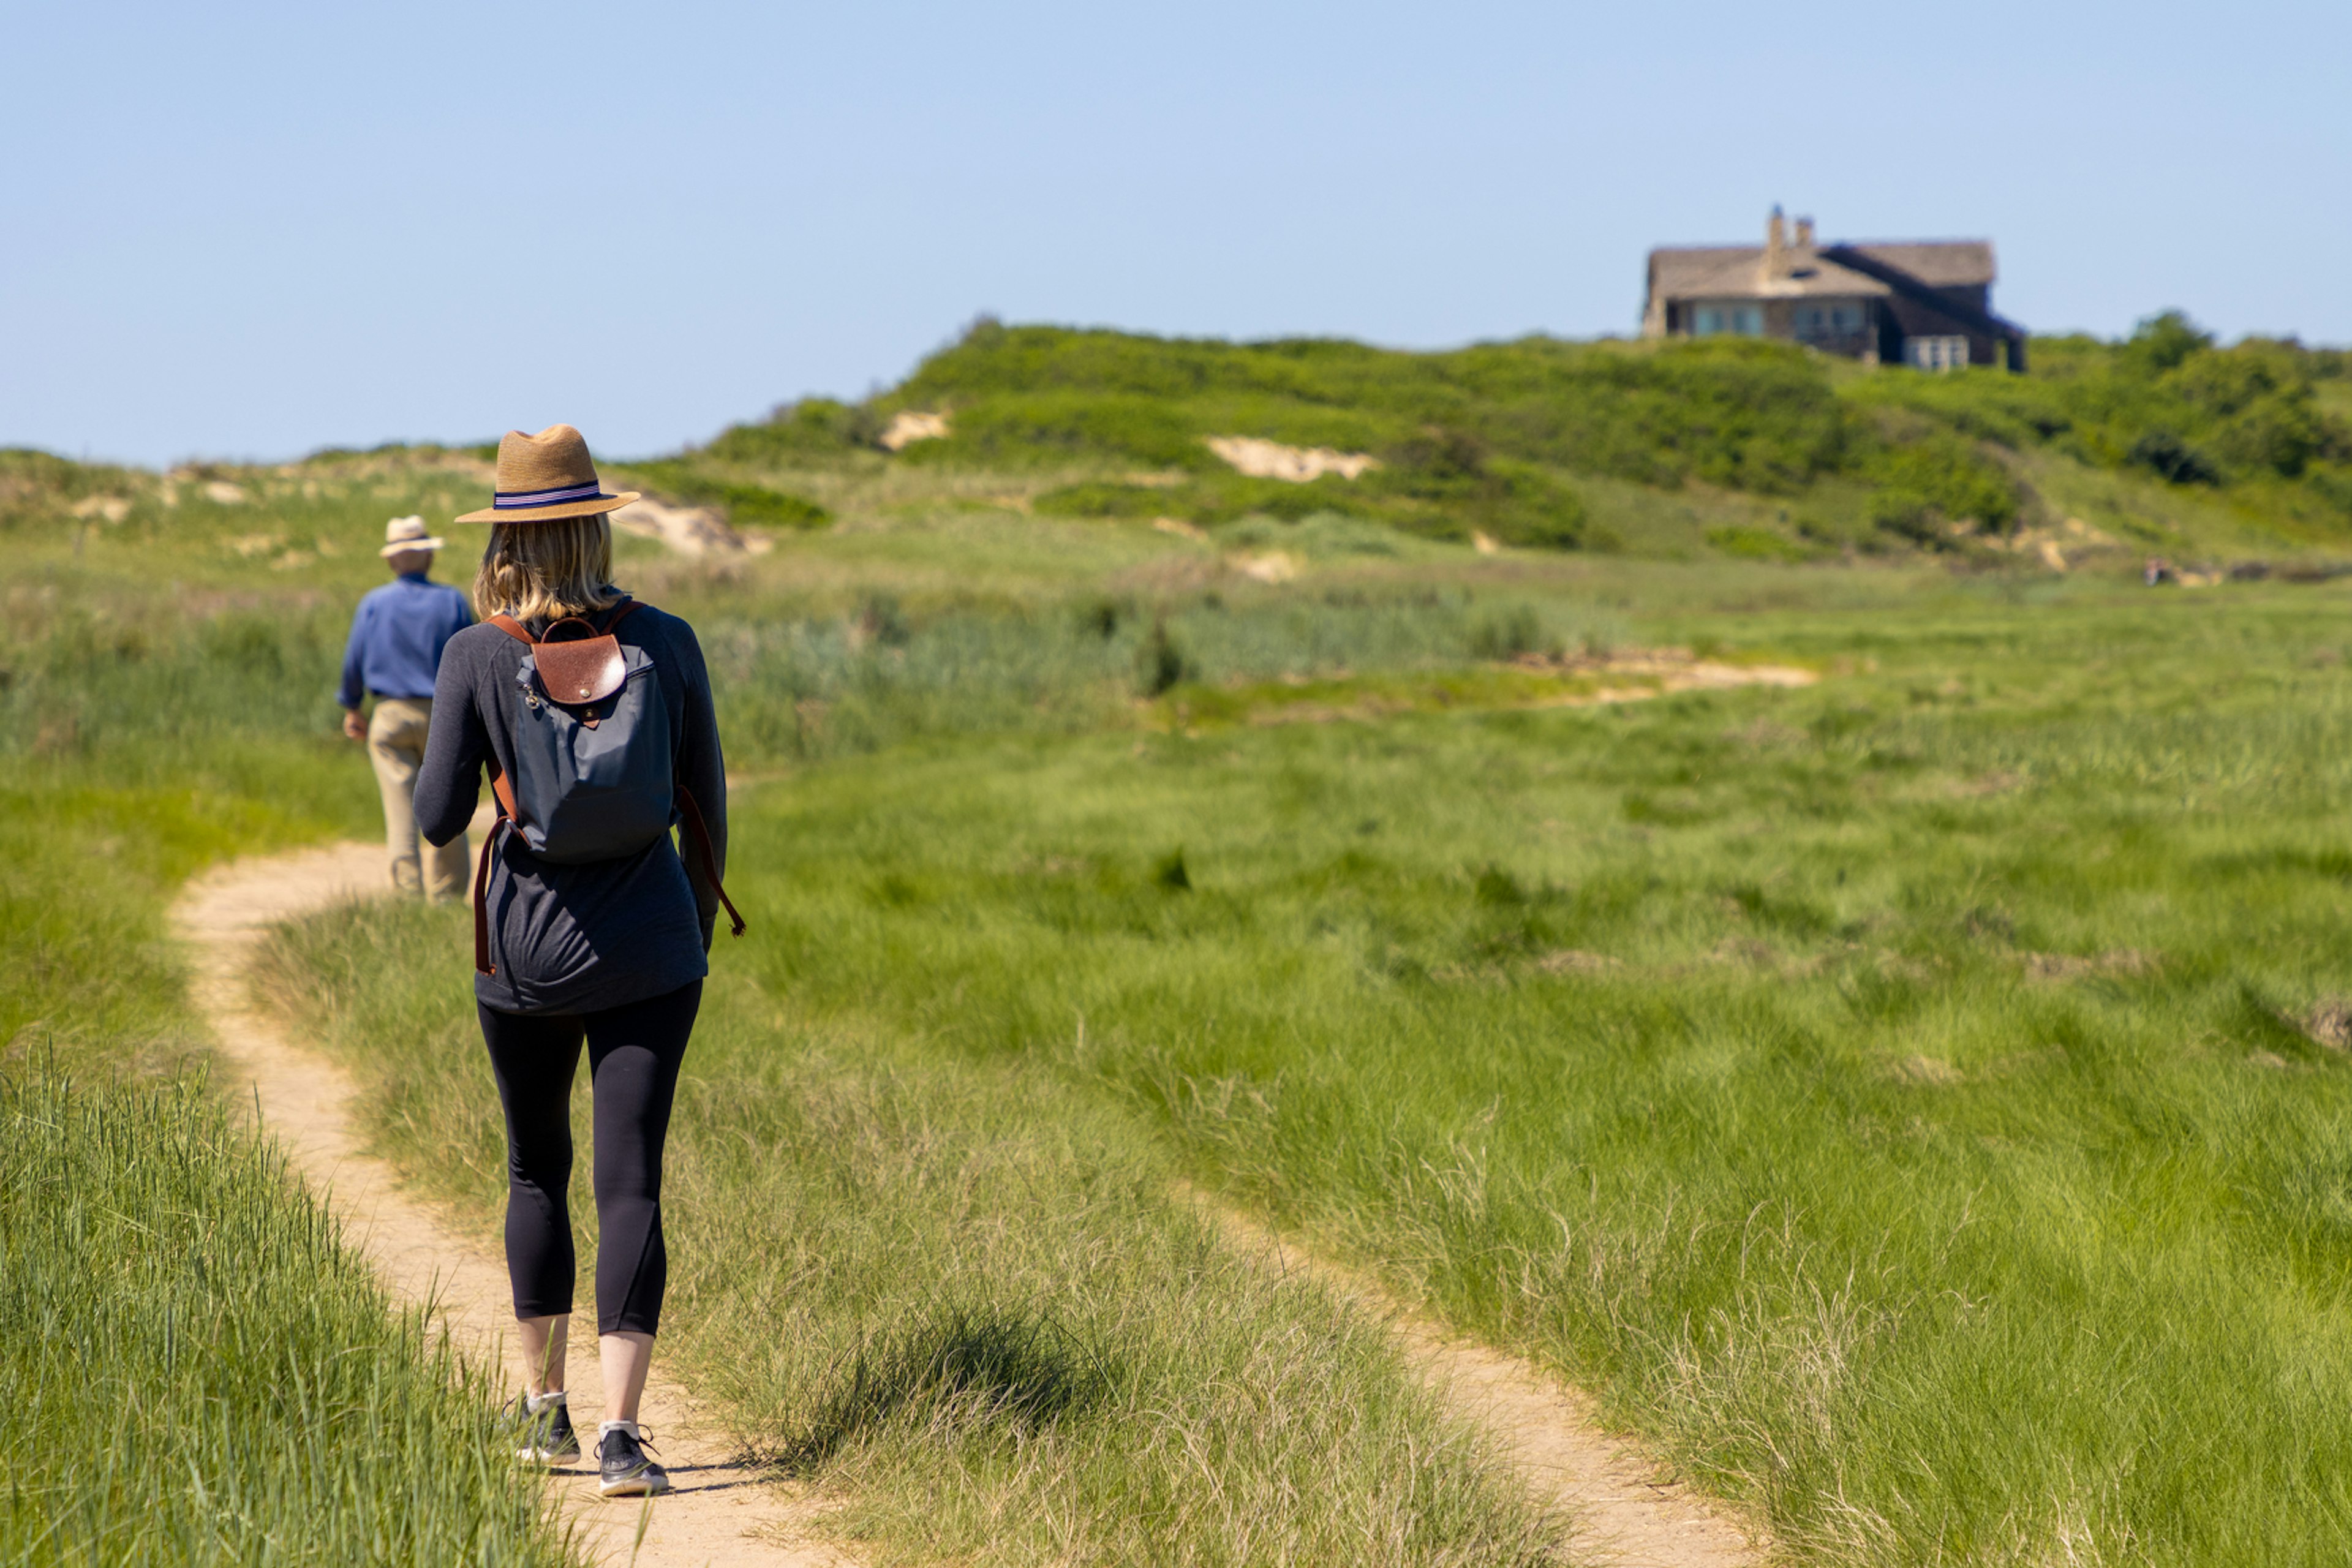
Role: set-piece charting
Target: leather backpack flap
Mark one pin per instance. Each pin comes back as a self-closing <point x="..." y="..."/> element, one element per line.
<point x="581" y="672"/>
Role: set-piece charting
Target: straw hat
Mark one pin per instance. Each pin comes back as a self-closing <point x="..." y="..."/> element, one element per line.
<point x="402" y="534"/>
<point x="544" y="477"/>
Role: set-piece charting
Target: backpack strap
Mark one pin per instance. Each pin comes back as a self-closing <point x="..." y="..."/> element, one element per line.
<point x="692" y="818"/>
<point x="507" y="815"/>
<point x="482" y="964"/>
<point x="521" y="634"/>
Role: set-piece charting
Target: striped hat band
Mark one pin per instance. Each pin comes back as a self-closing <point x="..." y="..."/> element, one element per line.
<point x="546" y="477"/>
<point x="503" y="500"/>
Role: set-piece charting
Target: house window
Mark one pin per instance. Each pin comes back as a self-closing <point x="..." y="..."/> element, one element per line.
<point x="1740" y="321"/>
<point x="1936" y="353"/>
<point x="1819" y="323"/>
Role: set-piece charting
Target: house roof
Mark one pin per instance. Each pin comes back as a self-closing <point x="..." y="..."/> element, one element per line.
<point x="1736" y="271"/>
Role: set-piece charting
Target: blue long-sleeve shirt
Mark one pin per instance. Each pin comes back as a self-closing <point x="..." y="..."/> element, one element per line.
<point x="397" y="637"/>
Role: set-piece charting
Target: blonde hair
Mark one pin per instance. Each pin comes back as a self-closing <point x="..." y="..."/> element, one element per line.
<point x="547" y="569"/>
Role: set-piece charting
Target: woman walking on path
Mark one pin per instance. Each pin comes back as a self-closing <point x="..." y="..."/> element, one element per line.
<point x="589" y="927"/>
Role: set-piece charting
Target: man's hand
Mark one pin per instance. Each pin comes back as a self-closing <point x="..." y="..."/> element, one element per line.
<point x="353" y="725"/>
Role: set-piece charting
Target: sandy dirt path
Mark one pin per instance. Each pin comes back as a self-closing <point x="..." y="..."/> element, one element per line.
<point x="722" y="1513"/>
<point x="1627" y="1509"/>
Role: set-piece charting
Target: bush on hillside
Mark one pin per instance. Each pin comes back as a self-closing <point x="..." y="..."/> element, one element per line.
<point x="1942" y="476"/>
<point x="757" y="506"/>
<point x="2334" y="485"/>
<point x="2172" y="459"/>
<point x="812" y="428"/>
<point x="2162" y="343"/>
<point x="1103" y="498"/>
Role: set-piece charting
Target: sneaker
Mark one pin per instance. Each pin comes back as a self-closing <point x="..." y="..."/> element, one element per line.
<point x="546" y="1434"/>
<point x="626" y="1472"/>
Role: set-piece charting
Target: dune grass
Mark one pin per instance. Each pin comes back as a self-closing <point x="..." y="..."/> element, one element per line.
<point x="196" y="1369"/>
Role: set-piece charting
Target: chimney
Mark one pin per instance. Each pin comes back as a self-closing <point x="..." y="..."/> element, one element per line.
<point x="1775" y="259"/>
<point x="1805" y="234"/>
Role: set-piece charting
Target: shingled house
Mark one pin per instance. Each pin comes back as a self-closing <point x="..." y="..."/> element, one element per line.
<point x="1925" y="303"/>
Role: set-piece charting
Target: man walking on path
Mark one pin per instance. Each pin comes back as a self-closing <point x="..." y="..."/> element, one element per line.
<point x="394" y="653"/>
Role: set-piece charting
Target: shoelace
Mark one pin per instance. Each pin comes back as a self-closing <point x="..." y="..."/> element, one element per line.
<point x="645" y="1440"/>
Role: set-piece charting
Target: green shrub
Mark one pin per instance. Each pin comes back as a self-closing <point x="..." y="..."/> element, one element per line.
<point x="758" y="506"/>
<point x="1102" y="497"/>
<point x="1510" y="632"/>
<point x="1940" y="475"/>
<point x="1163" y="666"/>
<point x="2280" y="433"/>
<point x="811" y="429"/>
<point x="1751" y="543"/>
<point x="2162" y="343"/>
<point x="2173" y="460"/>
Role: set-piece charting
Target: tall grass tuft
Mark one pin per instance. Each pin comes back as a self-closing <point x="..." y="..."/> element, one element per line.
<point x="197" y="1369"/>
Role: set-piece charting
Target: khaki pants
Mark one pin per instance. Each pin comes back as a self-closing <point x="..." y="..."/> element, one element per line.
<point x="396" y="747"/>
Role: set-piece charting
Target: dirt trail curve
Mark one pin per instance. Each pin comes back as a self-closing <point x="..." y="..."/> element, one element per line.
<point x="1626" y="1510"/>
<point x="721" y="1514"/>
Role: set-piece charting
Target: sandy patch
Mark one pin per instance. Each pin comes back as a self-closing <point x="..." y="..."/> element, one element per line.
<point x="688" y="530"/>
<point x="907" y="428"/>
<point x="107" y="509"/>
<point x="1270" y="567"/>
<point x="1272" y="460"/>
<point x="2050" y="546"/>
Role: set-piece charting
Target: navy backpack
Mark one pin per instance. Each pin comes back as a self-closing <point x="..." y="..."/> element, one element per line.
<point x="594" y="764"/>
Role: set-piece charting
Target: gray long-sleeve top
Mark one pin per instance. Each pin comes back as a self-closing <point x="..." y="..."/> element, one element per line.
<point x="578" y="939"/>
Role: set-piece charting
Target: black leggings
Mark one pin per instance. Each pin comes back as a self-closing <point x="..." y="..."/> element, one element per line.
<point x="634" y="1053"/>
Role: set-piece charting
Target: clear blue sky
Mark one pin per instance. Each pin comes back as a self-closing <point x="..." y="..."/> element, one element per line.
<point x="251" y="230"/>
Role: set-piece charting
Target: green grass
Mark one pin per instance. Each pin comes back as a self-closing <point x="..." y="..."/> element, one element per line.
<point x="196" y="1369"/>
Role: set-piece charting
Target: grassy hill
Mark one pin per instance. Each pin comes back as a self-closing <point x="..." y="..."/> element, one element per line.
<point x="2166" y="443"/>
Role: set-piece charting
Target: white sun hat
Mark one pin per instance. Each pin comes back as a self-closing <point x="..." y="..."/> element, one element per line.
<point x="402" y="534"/>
